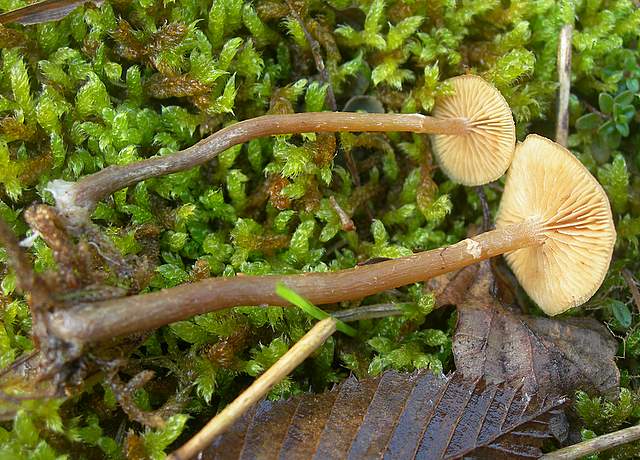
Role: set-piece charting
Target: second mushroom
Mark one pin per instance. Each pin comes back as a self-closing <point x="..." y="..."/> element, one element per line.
<point x="554" y="224"/>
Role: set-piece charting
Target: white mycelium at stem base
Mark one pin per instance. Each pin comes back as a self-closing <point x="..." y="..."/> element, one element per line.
<point x="548" y="185"/>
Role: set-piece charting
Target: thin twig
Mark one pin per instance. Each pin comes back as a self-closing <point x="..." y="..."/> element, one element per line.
<point x="604" y="442"/>
<point x="564" y="77"/>
<point x="381" y="310"/>
<point x="18" y="362"/>
<point x="633" y="287"/>
<point x="27" y="280"/>
<point x="331" y="97"/>
<point x="592" y="109"/>
<point x="317" y="57"/>
<point x="311" y="341"/>
<point x="486" y="214"/>
<point x="17" y="258"/>
<point x="353" y="170"/>
<point x="125" y="396"/>
<point x="346" y="223"/>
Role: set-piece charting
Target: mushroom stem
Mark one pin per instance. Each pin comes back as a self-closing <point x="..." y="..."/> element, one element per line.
<point x="77" y="200"/>
<point x="102" y="320"/>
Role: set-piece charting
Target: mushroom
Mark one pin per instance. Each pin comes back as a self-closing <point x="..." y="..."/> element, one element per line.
<point x="474" y="137"/>
<point x="547" y="185"/>
<point x="485" y="151"/>
<point x="554" y="222"/>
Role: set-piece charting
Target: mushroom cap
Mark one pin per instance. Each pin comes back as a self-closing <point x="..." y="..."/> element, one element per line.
<point x="548" y="185"/>
<point x="484" y="153"/>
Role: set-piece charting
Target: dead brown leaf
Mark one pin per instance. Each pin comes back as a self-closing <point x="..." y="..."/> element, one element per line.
<point x="452" y="288"/>
<point x="500" y="403"/>
<point x="554" y="356"/>
<point x="399" y="416"/>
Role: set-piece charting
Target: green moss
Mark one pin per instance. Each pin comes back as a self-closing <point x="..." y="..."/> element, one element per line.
<point x="111" y="85"/>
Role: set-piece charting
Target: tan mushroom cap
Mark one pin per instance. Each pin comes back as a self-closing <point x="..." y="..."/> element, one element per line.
<point x="484" y="153"/>
<point x="547" y="184"/>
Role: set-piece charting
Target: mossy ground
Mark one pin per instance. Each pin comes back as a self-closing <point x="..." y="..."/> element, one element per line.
<point x="131" y="79"/>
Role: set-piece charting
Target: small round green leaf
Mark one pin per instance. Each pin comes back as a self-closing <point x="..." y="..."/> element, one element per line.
<point x="624" y="98"/>
<point x="623" y="129"/>
<point x="607" y="128"/>
<point x="621" y="313"/>
<point x="588" y="121"/>
<point x="613" y="140"/>
<point x="605" y="101"/>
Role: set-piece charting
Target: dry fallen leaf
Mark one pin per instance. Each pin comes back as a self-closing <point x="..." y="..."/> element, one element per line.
<point x="471" y="414"/>
<point x="399" y="416"/>
<point x="552" y="355"/>
<point x="452" y="288"/>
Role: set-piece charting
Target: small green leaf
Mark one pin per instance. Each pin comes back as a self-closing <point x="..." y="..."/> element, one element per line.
<point x="623" y="129"/>
<point x="229" y="51"/>
<point x="621" y="313"/>
<point x="402" y="31"/>
<point x="608" y="127"/>
<point x="224" y="103"/>
<point x="206" y="379"/>
<point x="627" y="112"/>
<point x="588" y="121"/>
<point x="172" y="274"/>
<point x="315" y="96"/>
<point x="605" y="101"/>
<point x="293" y="297"/>
<point x="613" y="139"/>
<point x="624" y="98"/>
<point x="92" y="97"/>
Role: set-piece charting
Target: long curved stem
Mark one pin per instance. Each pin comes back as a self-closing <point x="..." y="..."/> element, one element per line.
<point x="77" y="200"/>
<point x="102" y="320"/>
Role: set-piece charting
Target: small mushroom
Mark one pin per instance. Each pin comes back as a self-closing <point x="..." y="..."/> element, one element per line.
<point x="474" y="138"/>
<point x="554" y="223"/>
<point x="547" y="185"/>
<point x="484" y="152"/>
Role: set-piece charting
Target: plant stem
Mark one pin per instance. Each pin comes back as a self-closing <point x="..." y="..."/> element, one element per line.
<point x="77" y="200"/>
<point x="311" y="341"/>
<point x="102" y="320"/>
<point x="26" y="279"/>
<point x="486" y="213"/>
<point x="317" y="56"/>
<point x="564" y="78"/>
<point x="604" y="442"/>
<point x="633" y="287"/>
<point x="369" y="312"/>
